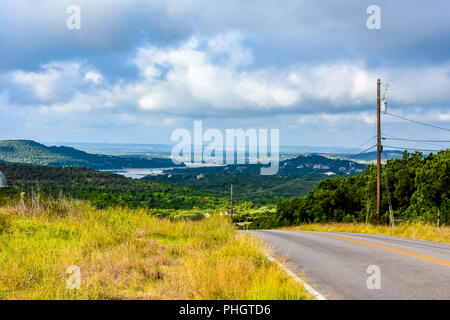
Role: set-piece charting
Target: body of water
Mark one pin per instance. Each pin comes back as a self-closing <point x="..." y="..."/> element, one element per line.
<point x="137" y="173"/>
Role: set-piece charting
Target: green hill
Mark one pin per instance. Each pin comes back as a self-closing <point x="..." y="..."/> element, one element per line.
<point x="415" y="186"/>
<point x="31" y="152"/>
<point x="103" y="189"/>
<point x="296" y="177"/>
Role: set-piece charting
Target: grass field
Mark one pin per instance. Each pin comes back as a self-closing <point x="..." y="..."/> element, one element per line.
<point x="415" y="230"/>
<point x="128" y="254"/>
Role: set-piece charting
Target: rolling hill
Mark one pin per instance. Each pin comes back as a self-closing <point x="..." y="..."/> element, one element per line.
<point x="249" y="184"/>
<point x="102" y="189"/>
<point x="31" y="152"/>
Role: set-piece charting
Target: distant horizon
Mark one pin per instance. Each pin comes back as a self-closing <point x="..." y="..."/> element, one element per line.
<point x="61" y="143"/>
<point x="77" y="145"/>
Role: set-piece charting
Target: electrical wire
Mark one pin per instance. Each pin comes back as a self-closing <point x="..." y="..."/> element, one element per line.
<point x="313" y="172"/>
<point x="418" y="122"/>
<point x="425" y="142"/>
<point x="416" y="149"/>
<point x="389" y="136"/>
<point x="414" y="140"/>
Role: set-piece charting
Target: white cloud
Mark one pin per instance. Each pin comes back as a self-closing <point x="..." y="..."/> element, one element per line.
<point x="208" y="73"/>
<point x="41" y="86"/>
<point x="215" y="76"/>
<point x="444" y="117"/>
<point x="369" y="118"/>
<point x="337" y="118"/>
<point x="191" y="77"/>
<point x="56" y="82"/>
<point x="93" y="76"/>
<point x="231" y="44"/>
<point x="420" y="114"/>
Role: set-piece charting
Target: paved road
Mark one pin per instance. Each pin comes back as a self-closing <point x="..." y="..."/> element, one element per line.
<point x="335" y="264"/>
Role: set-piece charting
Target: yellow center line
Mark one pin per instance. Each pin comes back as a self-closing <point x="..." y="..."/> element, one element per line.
<point x="409" y="253"/>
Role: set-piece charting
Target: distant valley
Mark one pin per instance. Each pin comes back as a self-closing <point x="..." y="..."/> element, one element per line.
<point x="305" y="171"/>
<point x="296" y="176"/>
<point x="31" y="152"/>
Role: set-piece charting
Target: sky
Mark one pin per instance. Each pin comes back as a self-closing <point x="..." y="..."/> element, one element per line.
<point x="137" y="70"/>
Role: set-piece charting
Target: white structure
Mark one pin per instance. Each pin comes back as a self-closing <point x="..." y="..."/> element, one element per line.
<point x="3" y="182"/>
<point x="383" y="106"/>
<point x="227" y="213"/>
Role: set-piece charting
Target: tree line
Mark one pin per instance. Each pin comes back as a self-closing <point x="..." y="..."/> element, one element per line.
<point x="103" y="189"/>
<point x="416" y="186"/>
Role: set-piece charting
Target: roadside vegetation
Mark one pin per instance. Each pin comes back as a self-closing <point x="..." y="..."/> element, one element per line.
<point x="417" y="187"/>
<point x="415" y="230"/>
<point x="246" y="185"/>
<point x="126" y="253"/>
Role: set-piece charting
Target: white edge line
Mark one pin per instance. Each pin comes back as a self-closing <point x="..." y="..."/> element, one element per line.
<point x="308" y="288"/>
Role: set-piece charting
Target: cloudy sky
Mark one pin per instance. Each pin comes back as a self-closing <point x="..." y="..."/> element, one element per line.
<point x="139" y="69"/>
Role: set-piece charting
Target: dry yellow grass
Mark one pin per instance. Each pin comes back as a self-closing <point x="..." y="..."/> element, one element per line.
<point x="415" y="230"/>
<point x="128" y="254"/>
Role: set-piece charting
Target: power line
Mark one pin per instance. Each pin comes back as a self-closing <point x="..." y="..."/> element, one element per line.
<point x="425" y="142"/>
<point x="418" y="122"/>
<point x="416" y="149"/>
<point x="312" y="172"/>
<point x="415" y="140"/>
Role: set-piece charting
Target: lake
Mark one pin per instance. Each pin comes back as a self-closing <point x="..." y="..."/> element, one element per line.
<point x="137" y="173"/>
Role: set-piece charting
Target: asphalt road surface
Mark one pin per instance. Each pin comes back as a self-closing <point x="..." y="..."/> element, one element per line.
<point x="336" y="264"/>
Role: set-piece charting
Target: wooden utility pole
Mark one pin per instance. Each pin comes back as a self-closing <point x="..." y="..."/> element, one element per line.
<point x="231" y="201"/>
<point x="379" y="150"/>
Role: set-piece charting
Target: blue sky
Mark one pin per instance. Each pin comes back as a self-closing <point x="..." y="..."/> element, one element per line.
<point x="137" y="70"/>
